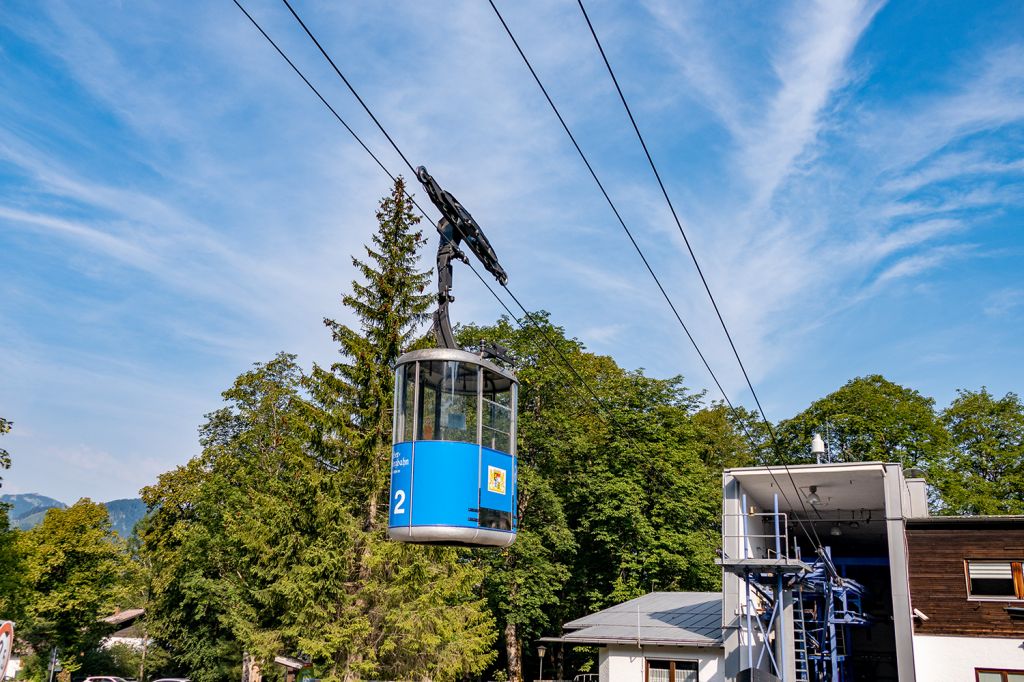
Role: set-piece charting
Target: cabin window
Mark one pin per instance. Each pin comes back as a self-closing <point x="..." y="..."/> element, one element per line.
<point x="405" y="387"/>
<point x="990" y="675"/>
<point x="448" y="401"/>
<point x="990" y="579"/>
<point x="497" y="411"/>
<point x="671" y="671"/>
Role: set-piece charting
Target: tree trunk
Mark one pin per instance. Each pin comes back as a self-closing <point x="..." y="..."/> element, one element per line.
<point x="371" y="513"/>
<point x="513" y="652"/>
<point x="250" y="669"/>
<point x="349" y="675"/>
<point x="142" y="661"/>
<point x="355" y="659"/>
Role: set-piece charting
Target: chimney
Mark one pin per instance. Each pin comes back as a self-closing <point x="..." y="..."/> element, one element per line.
<point x="917" y="489"/>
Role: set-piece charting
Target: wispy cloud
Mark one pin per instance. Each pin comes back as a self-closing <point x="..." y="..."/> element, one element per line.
<point x="833" y="205"/>
<point x="97" y="240"/>
<point x="811" y="65"/>
<point x="197" y="210"/>
<point x="953" y="165"/>
<point x="1004" y="302"/>
<point x="918" y="263"/>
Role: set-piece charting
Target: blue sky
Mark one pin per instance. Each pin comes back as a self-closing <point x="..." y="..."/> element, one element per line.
<point x="175" y="205"/>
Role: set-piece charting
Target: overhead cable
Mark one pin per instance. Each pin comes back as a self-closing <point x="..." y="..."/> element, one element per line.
<point x="693" y="255"/>
<point x="526" y="313"/>
<point x="650" y="270"/>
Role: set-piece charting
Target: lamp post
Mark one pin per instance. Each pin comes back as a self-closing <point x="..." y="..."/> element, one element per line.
<point x="541" y="650"/>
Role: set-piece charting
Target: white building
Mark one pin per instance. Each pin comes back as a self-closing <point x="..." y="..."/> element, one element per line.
<point x="660" y="637"/>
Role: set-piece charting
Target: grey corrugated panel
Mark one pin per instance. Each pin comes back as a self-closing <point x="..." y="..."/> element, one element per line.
<point x="122" y="616"/>
<point x="693" y="618"/>
<point x="664" y="636"/>
<point x="656" y="606"/>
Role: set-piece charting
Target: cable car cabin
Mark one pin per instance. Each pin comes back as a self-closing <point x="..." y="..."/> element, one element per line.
<point x="453" y="466"/>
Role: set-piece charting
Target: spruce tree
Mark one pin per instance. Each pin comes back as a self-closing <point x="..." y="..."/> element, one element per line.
<point x="357" y="391"/>
<point x="415" y="612"/>
<point x="5" y="457"/>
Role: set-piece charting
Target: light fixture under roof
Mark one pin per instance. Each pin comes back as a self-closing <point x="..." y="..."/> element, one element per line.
<point x="835" y="530"/>
<point x="813" y="498"/>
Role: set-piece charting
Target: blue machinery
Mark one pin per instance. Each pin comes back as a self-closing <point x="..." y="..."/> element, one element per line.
<point x="778" y="586"/>
<point x="453" y="462"/>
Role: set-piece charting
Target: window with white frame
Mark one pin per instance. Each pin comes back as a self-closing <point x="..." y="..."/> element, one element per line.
<point x="994" y="579"/>
<point x="990" y="675"/>
<point x="671" y="671"/>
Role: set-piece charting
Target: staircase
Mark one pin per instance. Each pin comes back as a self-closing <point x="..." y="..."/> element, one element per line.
<point x="803" y="673"/>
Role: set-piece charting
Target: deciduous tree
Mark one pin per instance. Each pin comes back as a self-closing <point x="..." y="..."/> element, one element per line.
<point x="869" y="419"/>
<point x="10" y="557"/>
<point x="985" y="471"/>
<point x="628" y="504"/>
<point x="74" y="568"/>
<point x="229" y="527"/>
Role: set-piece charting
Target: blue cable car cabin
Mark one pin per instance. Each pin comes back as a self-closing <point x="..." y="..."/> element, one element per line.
<point x="453" y="470"/>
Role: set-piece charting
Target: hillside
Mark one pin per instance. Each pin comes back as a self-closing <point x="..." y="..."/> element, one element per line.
<point x="28" y="509"/>
<point x="124" y="514"/>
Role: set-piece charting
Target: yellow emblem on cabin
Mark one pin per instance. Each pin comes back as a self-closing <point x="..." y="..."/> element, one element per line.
<point x="495" y="480"/>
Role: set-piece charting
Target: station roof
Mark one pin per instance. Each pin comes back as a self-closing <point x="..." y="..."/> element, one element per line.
<point x="658" y="618"/>
<point x="1007" y="522"/>
<point x="841" y="486"/>
<point x="125" y="616"/>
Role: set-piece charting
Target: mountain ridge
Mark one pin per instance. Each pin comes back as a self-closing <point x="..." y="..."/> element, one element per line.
<point x="28" y="510"/>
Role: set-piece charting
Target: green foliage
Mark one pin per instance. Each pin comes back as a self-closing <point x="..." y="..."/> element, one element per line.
<point x="229" y="527"/>
<point x="5" y="457"/>
<point x="356" y="393"/>
<point x="985" y="471"/>
<point x="409" y="611"/>
<point x="645" y="505"/>
<point x="121" y="660"/>
<point x="725" y="438"/>
<point x="870" y="419"/>
<point x="73" y="571"/>
<point x="11" y="569"/>
<point x="613" y="501"/>
<point x="270" y="542"/>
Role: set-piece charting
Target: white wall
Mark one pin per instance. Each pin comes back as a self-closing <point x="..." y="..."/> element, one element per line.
<point x="13" y="666"/>
<point x="136" y="643"/>
<point x="953" y="659"/>
<point x="626" y="663"/>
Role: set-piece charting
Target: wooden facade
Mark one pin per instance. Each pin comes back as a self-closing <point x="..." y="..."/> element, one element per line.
<point x="938" y="549"/>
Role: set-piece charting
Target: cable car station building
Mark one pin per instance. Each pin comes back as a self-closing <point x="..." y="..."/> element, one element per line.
<point x="832" y="573"/>
<point x="843" y="613"/>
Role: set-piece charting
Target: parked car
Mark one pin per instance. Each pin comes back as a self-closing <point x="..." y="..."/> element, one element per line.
<point x="104" y="678"/>
<point x="173" y="679"/>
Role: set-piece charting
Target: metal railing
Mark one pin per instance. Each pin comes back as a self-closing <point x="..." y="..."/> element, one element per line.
<point x="772" y="542"/>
